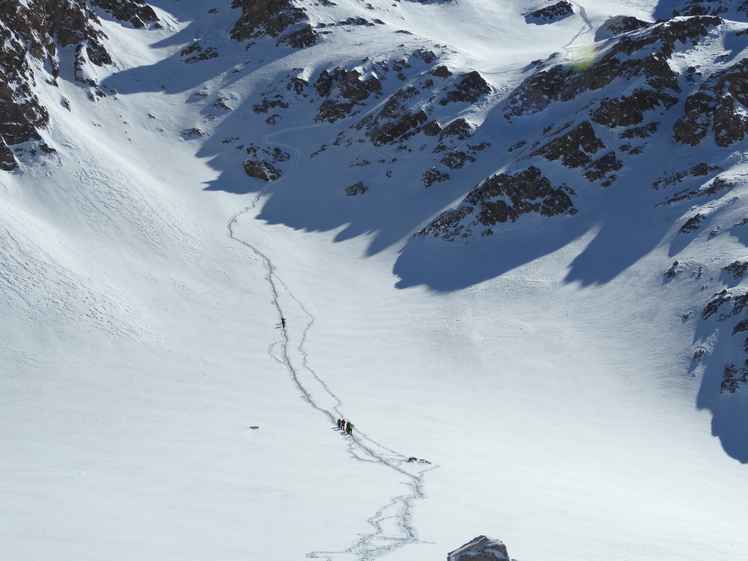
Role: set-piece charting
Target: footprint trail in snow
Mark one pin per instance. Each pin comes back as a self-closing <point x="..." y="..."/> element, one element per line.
<point x="392" y="525"/>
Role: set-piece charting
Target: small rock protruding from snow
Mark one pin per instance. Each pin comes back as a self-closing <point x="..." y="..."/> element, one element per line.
<point x="356" y="189"/>
<point x="480" y="549"/>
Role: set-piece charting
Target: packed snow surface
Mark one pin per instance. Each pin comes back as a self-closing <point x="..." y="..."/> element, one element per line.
<point x="153" y="407"/>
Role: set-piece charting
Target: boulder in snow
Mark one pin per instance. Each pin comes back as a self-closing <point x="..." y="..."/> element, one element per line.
<point x="480" y="549"/>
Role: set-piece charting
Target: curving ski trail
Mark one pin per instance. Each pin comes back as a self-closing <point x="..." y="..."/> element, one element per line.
<point x="393" y="523"/>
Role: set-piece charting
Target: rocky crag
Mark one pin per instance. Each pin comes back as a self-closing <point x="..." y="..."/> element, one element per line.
<point x="32" y="34"/>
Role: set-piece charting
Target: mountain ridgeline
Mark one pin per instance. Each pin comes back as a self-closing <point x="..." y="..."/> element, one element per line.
<point x="651" y="112"/>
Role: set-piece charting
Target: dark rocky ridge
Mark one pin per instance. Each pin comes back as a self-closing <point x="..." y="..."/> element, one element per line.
<point x="35" y="30"/>
<point x="638" y="55"/>
<point x="716" y="106"/>
<point x="574" y="148"/>
<point x="555" y="12"/>
<point x="711" y="8"/>
<point x="406" y="113"/>
<point x="502" y="198"/>
<point x="279" y="19"/>
<point x="263" y="163"/>
<point x="728" y="307"/>
<point x="344" y="90"/>
<point x="137" y="12"/>
<point x="641" y="53"/>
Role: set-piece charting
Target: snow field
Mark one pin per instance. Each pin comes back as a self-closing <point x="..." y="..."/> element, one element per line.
<point x="139" y="346"/>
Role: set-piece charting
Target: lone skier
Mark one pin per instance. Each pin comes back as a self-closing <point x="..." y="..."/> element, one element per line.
<point x="283" y="323"/>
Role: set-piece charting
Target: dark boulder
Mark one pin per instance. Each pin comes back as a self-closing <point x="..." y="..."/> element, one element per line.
<point x="549" y="14"/>
<point x="480" y="549"/>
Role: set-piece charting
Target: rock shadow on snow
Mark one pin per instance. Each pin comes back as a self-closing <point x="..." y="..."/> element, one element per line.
<point x="449" y="266"/>
<point x="729" y="419"/>
<point x="620" y="238"/>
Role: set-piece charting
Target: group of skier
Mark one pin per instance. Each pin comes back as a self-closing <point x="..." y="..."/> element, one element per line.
<point x="345" y="426"/>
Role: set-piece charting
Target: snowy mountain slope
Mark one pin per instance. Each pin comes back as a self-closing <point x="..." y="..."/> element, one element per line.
<point x="144" y="269"/>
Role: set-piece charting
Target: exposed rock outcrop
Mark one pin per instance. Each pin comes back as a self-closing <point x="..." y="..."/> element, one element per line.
<point x="395" y="121"/>
<point x="34" y="30"/>
<point x="717" y="106"/>
<point x="629" y="110"/>
<point x="618" y="25"/>
<point x="737" y="269"/>
<point x="356" y="189"/>
<point x="196" y="52"/>
<point x="709" y="189"/>
<point x="728" y="307"/>
<point x="574" y="148"/>
<point x="261" y="169"/>
<point x="468" y="90"/>
<point x="280" y="19"/>
<point x="555" y="12"/>
<point x="502" y="198"/>
<point x="480" y="549"/>
<point x="433" y="176"/>
<point x="645" y="131"/>
<point x="344" y="90"/>
<point x="406" y="112"/>
<point x="710" y="7"/>
<point x="260" y="166"/>
<point x="641" y="54"/>
<point x="137" y="12"/>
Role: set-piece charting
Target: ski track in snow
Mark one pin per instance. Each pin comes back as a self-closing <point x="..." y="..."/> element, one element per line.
<point x="587" y="28"/>
<point x="399" y="509"/>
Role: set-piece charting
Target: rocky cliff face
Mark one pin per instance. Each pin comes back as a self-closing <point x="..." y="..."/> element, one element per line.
<point x="621" y="89"/>
<point x="716" y="109"/>
<point x="502" y="198"/>
<point x="137" y="12"/>
<point x="31" y="33"/>
<point x="279" y="19"/>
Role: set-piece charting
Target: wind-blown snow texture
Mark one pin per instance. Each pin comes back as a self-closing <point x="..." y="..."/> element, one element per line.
<point x="508" y="242"/>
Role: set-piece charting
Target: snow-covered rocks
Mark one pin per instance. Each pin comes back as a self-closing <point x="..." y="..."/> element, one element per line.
<point x="552" y="13"/>
<point x="137" y="12"/>
<point x="32" y="33"/>
<point x="717" y="106"/>
<point x="281" y="20"/>
<point x="261" y="170"/>
<point x="502" y="198"/>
